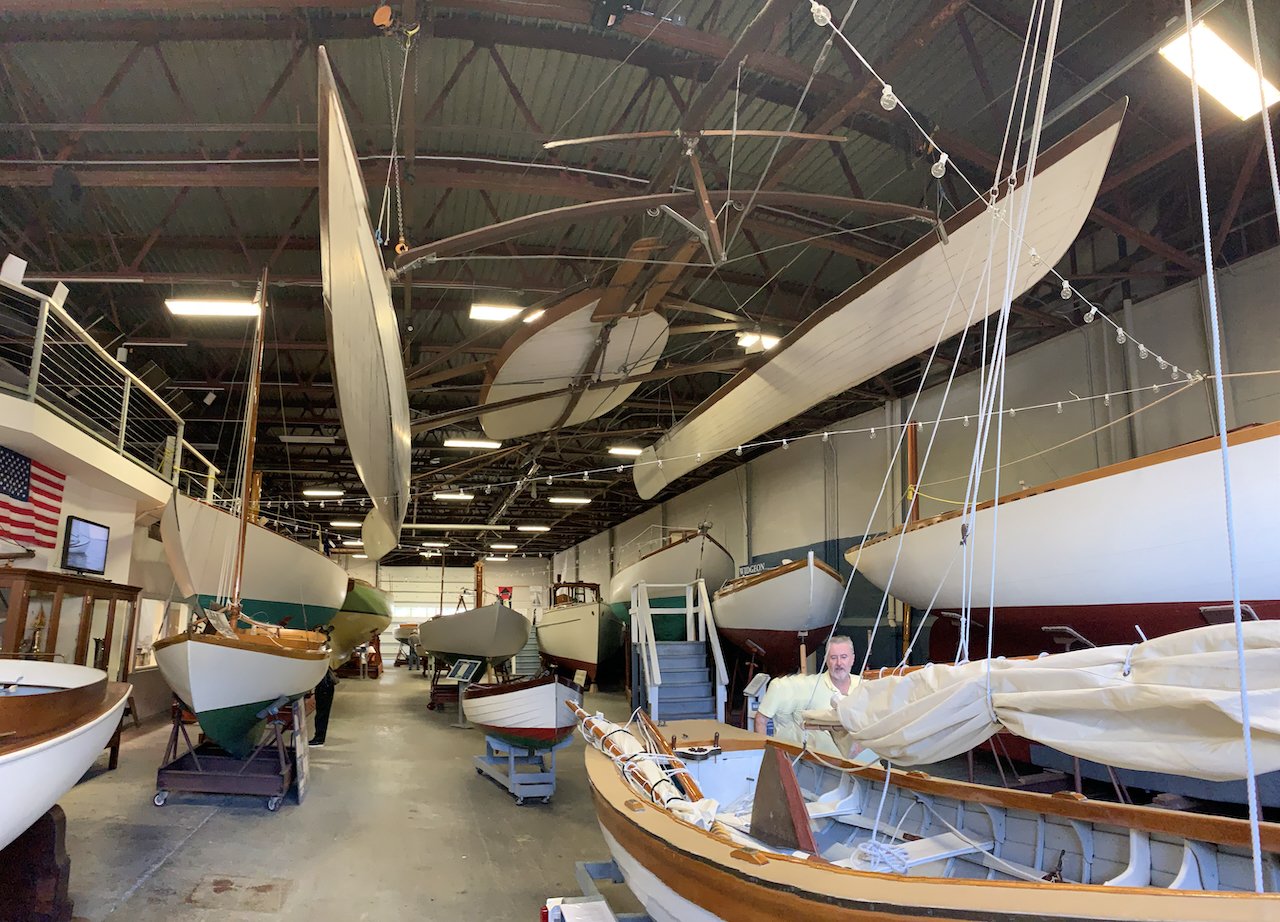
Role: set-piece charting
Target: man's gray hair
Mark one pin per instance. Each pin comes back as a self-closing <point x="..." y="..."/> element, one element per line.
<point x="841" y="638"/>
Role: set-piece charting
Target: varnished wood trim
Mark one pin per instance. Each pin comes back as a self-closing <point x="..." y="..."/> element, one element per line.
<point x="502" y="688"/>
<point x="746" y="582"/>
<point x="688" y="536"/>
<point x="254" y="642"/>
<point x="1241" y="436"/>
<point x="107" y="694"/>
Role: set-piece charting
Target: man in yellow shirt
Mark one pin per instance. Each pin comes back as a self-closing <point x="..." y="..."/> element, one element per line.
<point x="788" y="697"/>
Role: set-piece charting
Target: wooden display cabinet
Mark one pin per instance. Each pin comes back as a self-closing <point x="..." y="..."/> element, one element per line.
<point x="70" y="618"/>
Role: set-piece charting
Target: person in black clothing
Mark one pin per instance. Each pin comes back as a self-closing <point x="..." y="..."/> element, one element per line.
<point x="324" y="704"/>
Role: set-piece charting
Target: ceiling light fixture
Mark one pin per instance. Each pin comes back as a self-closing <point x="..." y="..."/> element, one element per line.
<point x="322" y="492"/>
<point x="289" y="439"/>
<point x="1220" y="71"/>
<point x="533" y="528"/>
<point x="569" y="500"/>
<point x="503" y="547"/>
<point x="497" y="558"/>
<point x="471" y="443"/>
<point x="209" y="398"/>
<point x="624" y="450"/>
<point x="494" y="311"/>
<point x="454" y="526"/>
<point x="344" y="523"/>
<point x="211" y="307"/>
<point x="435" y="543"/>
<point x="756" y="342"/>
<point x="431" y="553"/>
<point x="355" y="542"/>
<point x="458" y="495"/>
<point x="360" y="556"/>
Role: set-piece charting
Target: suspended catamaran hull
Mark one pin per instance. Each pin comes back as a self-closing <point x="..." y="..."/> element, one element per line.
<point x="896" y="311"/>
<point x="492" y="632"/>
<point x="579" y="636"/>
<point x="677" y="563"/>
<point x="368" y="367"/>
<point x="55" y="719"/>
<point x="365" y="611"/>
<point x="1142" y="542"/>
<point x="283" y="580"/>
<point x="773" y="608"/>
<point x="1118" y="862"/>
<point x="227" y="681"/>
<point x="528" y="713"/>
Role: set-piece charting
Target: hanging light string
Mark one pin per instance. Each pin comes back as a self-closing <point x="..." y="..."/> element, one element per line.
<point x="889" y="100"/>
<point x="1215" y="356"/>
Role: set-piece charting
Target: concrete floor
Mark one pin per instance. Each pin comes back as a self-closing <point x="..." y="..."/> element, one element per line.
<point x="396" y="824"/>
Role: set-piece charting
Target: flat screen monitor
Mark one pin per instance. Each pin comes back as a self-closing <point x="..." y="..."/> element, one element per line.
<point x="85" y="546"/>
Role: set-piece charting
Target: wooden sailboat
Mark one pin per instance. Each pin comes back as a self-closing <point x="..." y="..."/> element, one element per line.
<point x="579" y="630"/>
<point x="492" y="632"/>
<point x="226" y="666"/>
<point x="366" y="610"/>
<point x="780" y="609"/>
<point x="684" y="556"/>
<point x="368" y="368"/>
<point x="529" y="713"/>
<point x="900" y="846"/>
<point x="55" y="719"/>
<point x="1099" y="581"/>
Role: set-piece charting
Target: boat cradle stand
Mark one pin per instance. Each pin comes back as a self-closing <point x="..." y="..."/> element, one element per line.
<point x="527" y="774"/>
<point x="267" y="772"/>
<point x="592" y="901"/>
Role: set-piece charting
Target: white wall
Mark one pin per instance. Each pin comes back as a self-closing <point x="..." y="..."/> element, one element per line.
<point x="418" y="592"/>
<point x="99" y="505"/>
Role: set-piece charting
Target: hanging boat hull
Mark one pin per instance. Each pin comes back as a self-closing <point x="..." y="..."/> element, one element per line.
<point x="528" y="713"/>
<point x="676" y="563"/>
<point x="1087" y="552"/>
<point x="683" y="873"/>
<point x="365" y="611"/>
<point x="226" y="681"/>
<point x="574" y="637"/>
<point x="772" y="609"/>
<point x="50" y="734"/>
<point x="492" y="632"/>
<point x="283" y="582"/>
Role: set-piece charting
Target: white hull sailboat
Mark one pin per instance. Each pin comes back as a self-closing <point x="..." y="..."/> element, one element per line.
<point x="491" y="632"/>
<point x="780" y="609"/>
<point x="55" y="719"/>
<point x="580" y="632"/>
<point x="1084" y="552"/>
<point x="526" y="713"/>
<point x="685" y="557"/>
<point x="284" y="582"/>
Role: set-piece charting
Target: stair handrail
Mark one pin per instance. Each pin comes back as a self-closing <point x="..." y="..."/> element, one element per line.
<point x="712" y="635"/>
<point x="642" y="617"/>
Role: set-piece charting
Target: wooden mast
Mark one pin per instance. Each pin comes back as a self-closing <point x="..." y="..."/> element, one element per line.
<point x="251" y="438"/>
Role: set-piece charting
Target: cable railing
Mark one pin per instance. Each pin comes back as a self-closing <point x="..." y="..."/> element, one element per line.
<point x="47" y="358"/>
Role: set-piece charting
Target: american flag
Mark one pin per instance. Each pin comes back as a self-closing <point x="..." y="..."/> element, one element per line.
<point x="30" y="500"/>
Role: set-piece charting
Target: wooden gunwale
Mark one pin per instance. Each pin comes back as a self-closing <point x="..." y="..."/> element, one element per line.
<point x="1241" y="436"/>
<point x="253" y="643"/>
<point x="683" y="539"/>
<point x="502" y="688"/>
<point x="746" y="582"/>
<point x="707" y="881"/>
<point x="33" y="715"/>
<point x="109" y="695"/>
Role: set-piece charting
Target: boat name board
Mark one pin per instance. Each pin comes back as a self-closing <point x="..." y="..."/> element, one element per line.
<point x="747" y="569"/>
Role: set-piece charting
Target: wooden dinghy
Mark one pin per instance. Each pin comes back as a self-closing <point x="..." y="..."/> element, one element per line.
<point x="940" y="850"/>
<point x="579" y="631"/>
<point x="772" y="609"/>
<point x="529" y="713"/>
<point x="491" y="632"/>
<point x="55" y="720"/>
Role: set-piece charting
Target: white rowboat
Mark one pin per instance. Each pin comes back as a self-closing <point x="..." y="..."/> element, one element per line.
<point x="526" y="713"/>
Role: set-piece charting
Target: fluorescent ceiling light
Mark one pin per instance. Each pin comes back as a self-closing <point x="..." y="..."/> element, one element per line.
<point x="494" y="311"/>
<point x="458" y="495"/>
<point x="317" y="491"/>
<point x="360" y="556"/>
<point x="569" y="500"/>
<point x="503" y="547"/>
<point x="211" y="307"/>
<point x="430" y="553"/>
<point x="496" y="558"/>
<point x="175" y="344"/>
<point x="454" y="526"/>
<point x="624" y="450"/>
<point x="435" y="543"/>
<point x="344" y="523"/>
<point x="538" y="528"/>
<point x="471" y="443"/>
<point x="763" y="340"/>
<point x="530" y="318"/>
<point x="356" y="542"/>
<point x="1221" y="71"/>
<point x="308" y="439"/>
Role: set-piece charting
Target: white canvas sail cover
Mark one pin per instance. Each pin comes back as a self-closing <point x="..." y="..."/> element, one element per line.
<point x="1171" y="705"/>
<point x="368" y="370"/>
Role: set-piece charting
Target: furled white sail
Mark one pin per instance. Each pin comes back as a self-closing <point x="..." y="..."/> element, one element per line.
<point x="368" y="369"/>
<point x="1171" y="705"/>
<point x="895" y="312"/>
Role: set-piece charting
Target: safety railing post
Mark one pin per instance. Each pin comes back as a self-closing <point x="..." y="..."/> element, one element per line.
<point x="124" y="415"/>
<point x="177" y="453"/>
<point x="37" y="350"/>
